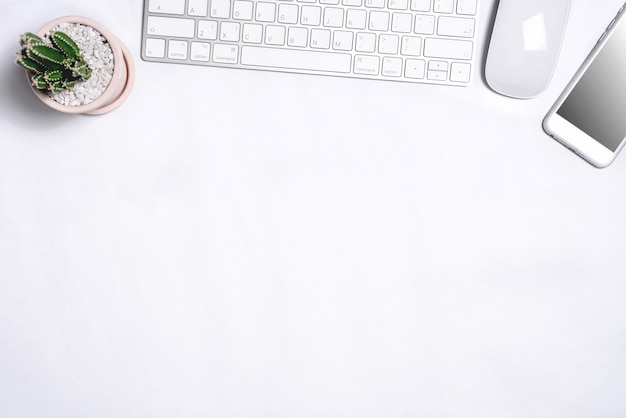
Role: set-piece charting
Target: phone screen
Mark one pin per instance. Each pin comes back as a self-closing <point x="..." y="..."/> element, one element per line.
<point x="597" y="104"/>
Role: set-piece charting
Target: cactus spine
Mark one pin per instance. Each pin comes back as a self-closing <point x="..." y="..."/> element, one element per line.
<point x="54" y="66"/>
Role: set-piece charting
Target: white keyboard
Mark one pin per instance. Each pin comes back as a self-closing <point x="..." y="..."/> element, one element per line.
<point x="423" y="41"/>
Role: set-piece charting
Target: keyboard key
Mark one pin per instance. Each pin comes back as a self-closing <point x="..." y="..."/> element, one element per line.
<point x="207" y="29"/>
<point x="310" y="15"/>
<point x="456" y="26"/>
<point x="155" y="48"/>
<point x="411" y="45"/>
<point x="198" y="8"/>
<point x="265" y="12"/>
<point x="200" y="51"/>
<point x="388" y="44"/>
<point x="177" y="50"/>
<point x="229" y="31"/>
<point x="401" y="22"/>
<point x="398" y="4"/>
<point x="171" y="26"/>
<point x="366" y="64"/>
<point x="365" y="42"/>
<point x="220" y="9"/>
<point x="437" y="75"/>
<point x="275" y="35"/>
<point x="437" y="65"/>
<point x="242" y="10"/>
<point x="466" y="7"/>
<point x="414" y="68"/>
<point x="420" y="5"/>
<point x="342" y="40"/>
<point x="448" y="48"/>
<point x="375" y="3"/>
<point x="173" y="7"/>
<point x="392" y="67"/>
<point x="460" y="72"/>
<point x="379" y="21"/>
<point x="287" y="13"/>
<point x="226" y="54"/>
<point x="356" y="19"/>
<point x="444" y="6"/>
<point x="320" y="38"/>
<point x="333" y="17"/>
<point x="252" y="33"/>
<point x="296" y="59"/>
<point x="425" y="24"/>
<point x="297" y="36"/>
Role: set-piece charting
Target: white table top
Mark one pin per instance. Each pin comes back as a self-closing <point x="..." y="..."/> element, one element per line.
<point x="256" y="244"/>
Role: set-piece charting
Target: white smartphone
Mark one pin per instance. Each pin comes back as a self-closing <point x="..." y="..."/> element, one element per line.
<point x="590" y="115"/>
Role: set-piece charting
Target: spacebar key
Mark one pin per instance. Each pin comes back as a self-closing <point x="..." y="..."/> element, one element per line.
<point x="296" y="59"/>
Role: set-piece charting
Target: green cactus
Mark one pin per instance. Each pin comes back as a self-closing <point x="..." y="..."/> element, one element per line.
<point x="54" y="65"/>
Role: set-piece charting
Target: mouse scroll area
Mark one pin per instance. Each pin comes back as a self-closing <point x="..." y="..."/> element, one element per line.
<point x="525" y="45"/>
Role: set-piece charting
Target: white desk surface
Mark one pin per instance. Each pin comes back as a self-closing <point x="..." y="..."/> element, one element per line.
<point x="255" y="244"/>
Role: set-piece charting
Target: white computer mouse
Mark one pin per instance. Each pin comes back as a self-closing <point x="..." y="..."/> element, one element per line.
<point x="525" y="44"/>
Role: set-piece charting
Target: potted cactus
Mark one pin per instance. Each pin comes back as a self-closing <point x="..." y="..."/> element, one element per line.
<point x="55" y="66"/>
<point x="75" y="65"/>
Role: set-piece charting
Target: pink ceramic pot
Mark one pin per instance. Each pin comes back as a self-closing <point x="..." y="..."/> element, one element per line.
<point x="123" y="74"/>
